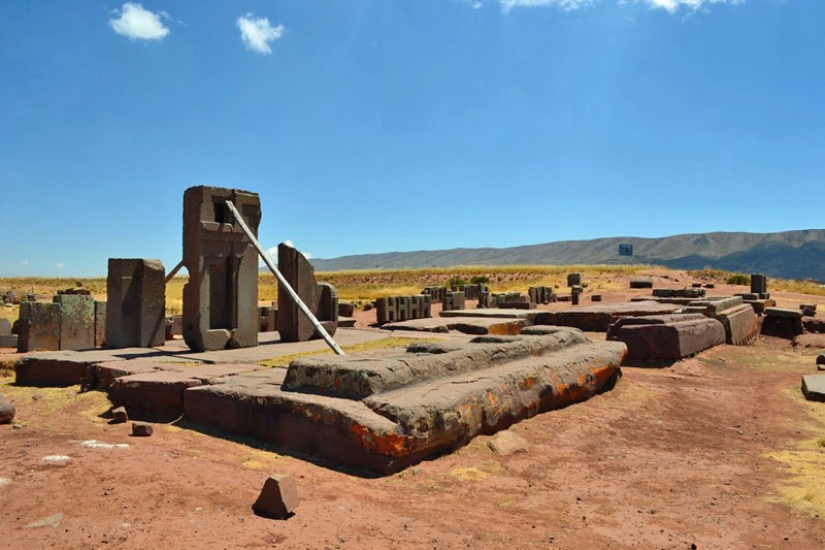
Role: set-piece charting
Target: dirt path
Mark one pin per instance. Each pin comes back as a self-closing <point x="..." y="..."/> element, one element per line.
<point x="670" y="458"/>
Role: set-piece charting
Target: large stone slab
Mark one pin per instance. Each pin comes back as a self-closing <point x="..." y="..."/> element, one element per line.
<point x="53" y="372"/>
<point x="739" y="319"/>
<point x="667" y="337"/>
<point x="813" y="387"/>
<point x="599" y="318"/>
<point x="529" y="315"/>
<point x="385" y="413"/>
<point x="161" y="392"/>
<point x="466" y="325"/>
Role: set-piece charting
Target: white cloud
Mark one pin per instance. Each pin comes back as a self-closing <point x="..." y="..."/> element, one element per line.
<point x="136" y="22"/>
<point x="672" y="6"/>
<point x="60" y="265"/>
<point x="258" y="33"/>
<point x="565" y="5"/>
<point x="24" y="263"/>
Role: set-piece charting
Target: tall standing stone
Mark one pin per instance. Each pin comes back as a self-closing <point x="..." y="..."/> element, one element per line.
<point x="220" y="301"/>
<point x="77" y="321"/>
<point x="136" y="306"/>
<point x="39" y="327"/>
<point x="321" y="299"/>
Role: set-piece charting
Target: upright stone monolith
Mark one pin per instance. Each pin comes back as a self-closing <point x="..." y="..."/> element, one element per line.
<point x="136" y="303"/>
<point x="39" y="327"/>
<point x="321" y="299"/>
<point x="220" y="301"/>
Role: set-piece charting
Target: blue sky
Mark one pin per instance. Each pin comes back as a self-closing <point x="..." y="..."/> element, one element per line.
<point x="377" y="125"/>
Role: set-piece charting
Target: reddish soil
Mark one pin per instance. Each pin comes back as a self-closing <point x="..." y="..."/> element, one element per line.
<point x="673" y="457"/>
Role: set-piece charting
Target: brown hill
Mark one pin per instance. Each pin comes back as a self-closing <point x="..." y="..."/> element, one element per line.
<point x="788" y="254"/>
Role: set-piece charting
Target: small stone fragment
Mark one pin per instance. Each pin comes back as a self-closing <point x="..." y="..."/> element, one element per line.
<point x="7" y="410"/>
<point x="119" y="415"/>
<point x="51" y="521"/>
<point x="278" y="498"/>
<point x="141" y="429"/>
<point x="506" y="443"/>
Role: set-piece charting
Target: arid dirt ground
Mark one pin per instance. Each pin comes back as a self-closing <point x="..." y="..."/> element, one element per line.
<point x="716" y="451"/>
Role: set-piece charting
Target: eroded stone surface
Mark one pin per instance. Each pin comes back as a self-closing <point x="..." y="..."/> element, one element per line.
<point x="385" y="413"/>
<point x="667" y="337"/>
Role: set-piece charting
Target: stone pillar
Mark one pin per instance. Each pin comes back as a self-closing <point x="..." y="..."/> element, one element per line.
<point x="321" y="299"/>
<point x="136" y="303"/>
<point x="759" y="285"/>
<point x="220" y="301"/>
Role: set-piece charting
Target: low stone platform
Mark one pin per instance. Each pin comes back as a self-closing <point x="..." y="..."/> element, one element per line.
<point x="667" y="336"/>
<point x="465" y="325"/>
<point x="69" y="368"/>
<point x="386" y="411"/>
<point x="599" y="318"/>
<point x="159" y="393"/>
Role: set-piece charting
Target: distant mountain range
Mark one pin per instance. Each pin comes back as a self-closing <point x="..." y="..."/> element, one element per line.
<point x="788" y="254"/>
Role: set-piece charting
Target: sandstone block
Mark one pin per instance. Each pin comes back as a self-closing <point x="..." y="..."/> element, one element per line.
<point x="278" y="498"/>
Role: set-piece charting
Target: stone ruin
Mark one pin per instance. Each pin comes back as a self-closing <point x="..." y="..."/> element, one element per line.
<point x="403" y="308"/>
<point x="320" y="298"/>
<point x="384" y="413"/>
<point x="136" y="303"/>
<point x="541" y="294"/>
<point x="220" y="301"/>
<point x="72" y="321"/>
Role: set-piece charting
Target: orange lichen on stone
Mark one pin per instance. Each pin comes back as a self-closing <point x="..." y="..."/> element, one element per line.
<point x="387" y="444"/>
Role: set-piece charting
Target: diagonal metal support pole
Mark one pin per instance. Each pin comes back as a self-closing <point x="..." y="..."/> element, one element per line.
<point x="174" y="271"/>
<point x="301" y="305"/>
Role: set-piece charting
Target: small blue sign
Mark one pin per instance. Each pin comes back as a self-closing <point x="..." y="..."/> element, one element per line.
<point x="625" y="250"/>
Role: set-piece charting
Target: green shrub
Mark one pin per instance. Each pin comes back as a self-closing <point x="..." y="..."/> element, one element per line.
<point x="739" y="279"/>
<point x="479" y="280"/>
<point x="455" y="282"/>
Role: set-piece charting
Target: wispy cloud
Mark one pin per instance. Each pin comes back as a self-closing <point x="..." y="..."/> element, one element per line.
<point x="257" y="33"/>
<point x="24" y="263"/>
<point x="138" y="23"/>
<point x="564" y="5"/>
<point x="671" y="6"/>
<point x="60" y="265"/>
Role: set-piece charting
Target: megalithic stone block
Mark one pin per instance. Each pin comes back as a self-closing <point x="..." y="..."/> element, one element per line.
<point x="77" y="321"/>
<point x="220" y="301"/>
<point x="759" y="284"/>
<point x="668" y="336"/>
<point x="320" y="299"/>
<point x="39" y="327"/>
<point x="136" y="303"/>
